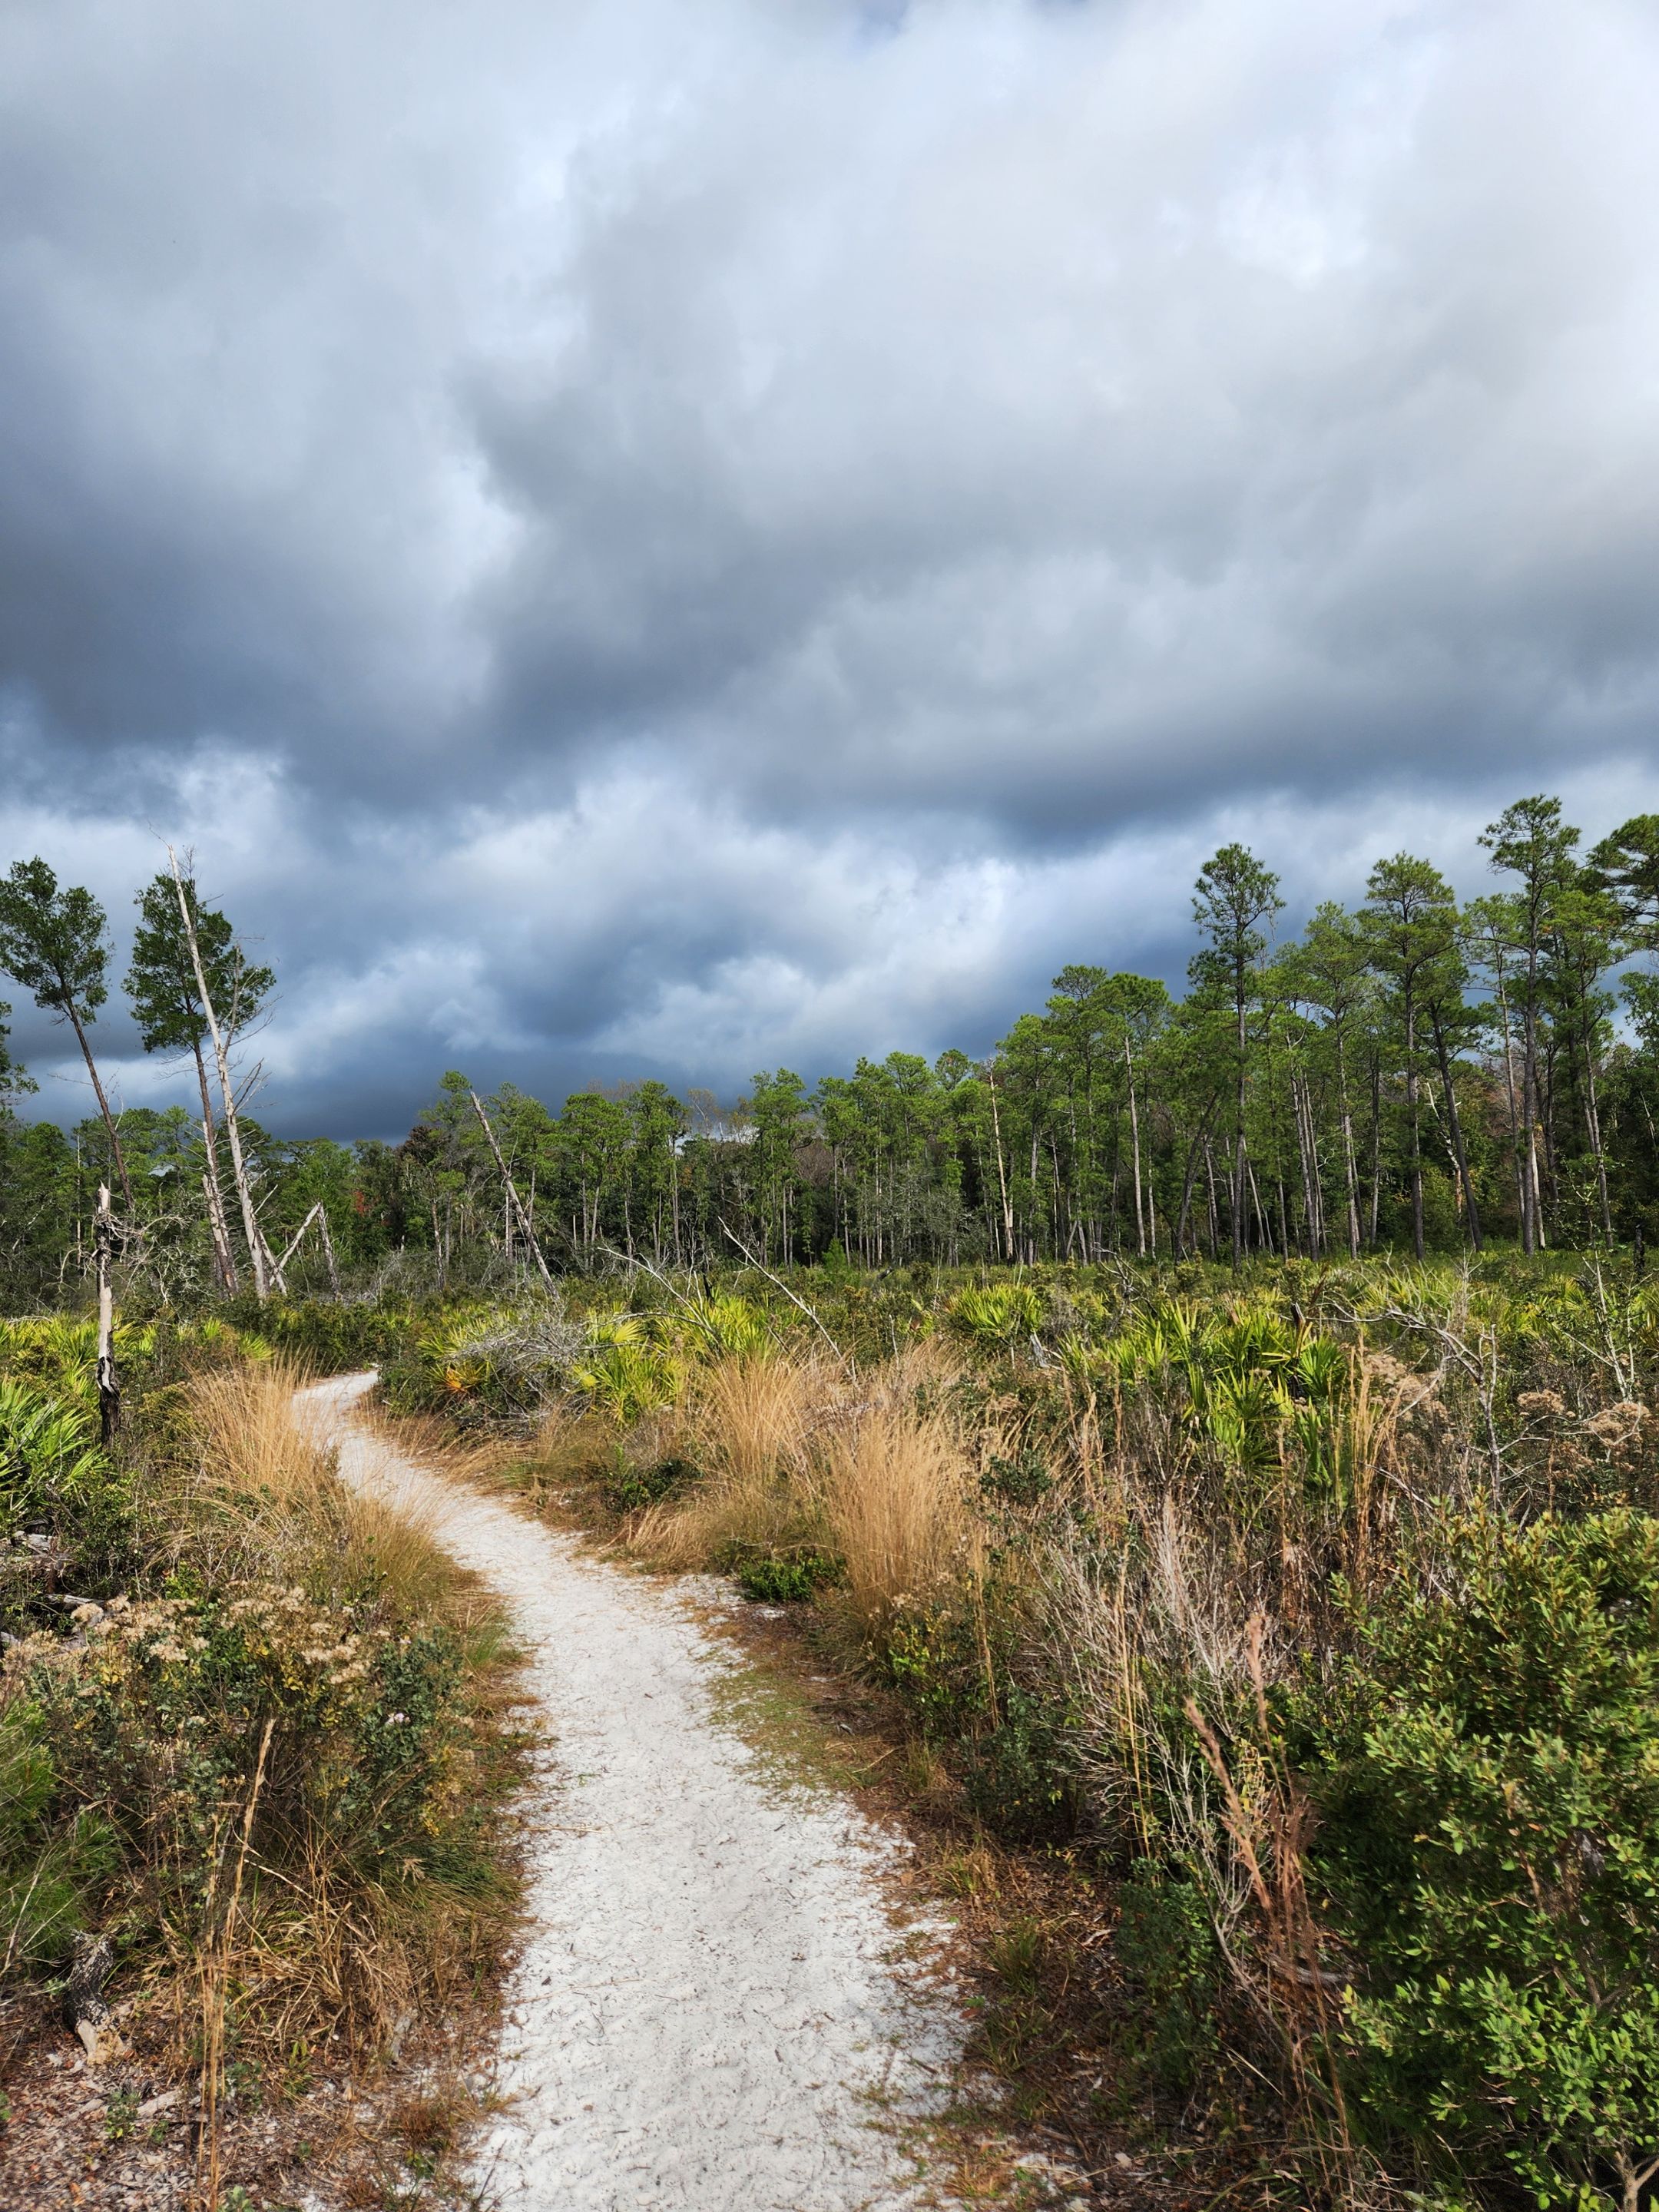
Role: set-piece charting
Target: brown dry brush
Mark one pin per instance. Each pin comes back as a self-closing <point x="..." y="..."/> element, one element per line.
<point x="797" y="1450"/>
<point x="1167" y="1614"/>
<point x="297" y="1748"/>
<point x="1152" y="1594"/>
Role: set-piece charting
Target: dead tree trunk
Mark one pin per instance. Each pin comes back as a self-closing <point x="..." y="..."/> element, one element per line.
<point x="319" y="1213"/>
<point x="277" y="1266"/>
<point x="211" y="1182"/>
<point x="109" y="1389"/>
<point x="1002" y="1176"/>
<point x="525" y="1229"/>
<point x="224" y="1265"/>
<point x="1134" y="1139"/>
<point x="255" y="1243"/>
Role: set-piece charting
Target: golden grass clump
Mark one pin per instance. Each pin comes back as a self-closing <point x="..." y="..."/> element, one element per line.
<point x="267" y="1504"/>
<point x="751" y="1425"/>
<point x="895" y="1491"/>
<point x="798" y="1451"/>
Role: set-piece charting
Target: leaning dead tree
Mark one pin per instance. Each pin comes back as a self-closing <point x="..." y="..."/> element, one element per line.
<point x="319" y="1214"/>
<point x="512" y="1192"/>
<point x="259" y="1256"/>
<point x="109" y="1389"/>
<point x="224" y="1262"/>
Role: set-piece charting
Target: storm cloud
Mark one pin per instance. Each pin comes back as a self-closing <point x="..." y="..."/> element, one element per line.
<point x="645" y="539"/>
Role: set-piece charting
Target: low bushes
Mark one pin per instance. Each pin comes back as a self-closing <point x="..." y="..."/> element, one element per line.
<point x="1486" y="1771"/>
<point x="58" y="1491"/>
<point x="264" y="1763"/>
<point x="784" y="1579"/>
<point x="329" y="1336"/>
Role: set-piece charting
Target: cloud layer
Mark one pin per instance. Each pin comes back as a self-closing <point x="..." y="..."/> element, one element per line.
<point x="646" y="540"/>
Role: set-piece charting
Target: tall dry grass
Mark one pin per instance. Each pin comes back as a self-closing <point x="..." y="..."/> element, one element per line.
<point x="895" y="1489"/>
<point x="262" y="1501"/>
<point x="754" y="1426"/>
<point x="799" y="1452"/>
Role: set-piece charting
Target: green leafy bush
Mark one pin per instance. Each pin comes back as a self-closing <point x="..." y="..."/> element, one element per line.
<point x="1488" y="1777"/>
<point x="1024" y="1480"/>
<point x="625" y="1374"/>
<point x="328" y="1334"/>
<point x="783" y="1578"/>
<point x="47" y="1867"/>
<point x="931" y="1656"/>
<point x="55" y="1483"/>
<point x="48" y="1454"/>
<point x="154" y="1726"/>
<point x="998" y="1313"/>
<point x="1021" y="1775"/>
<point x="633" y="1487"/>
<point x="1167" y="1949"/>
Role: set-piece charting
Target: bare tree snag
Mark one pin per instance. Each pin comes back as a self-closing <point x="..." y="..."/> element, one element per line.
<point x="224" y="1264"/>
<point x="319" y="1213"/>
<point x="109" y="1390"/>
<point x="215" y="1190"/>
<point x="1002" y="1178"/>
<point x="255" y="1243"/>
<point x="274" y="1267"/>
<point x="1135" y="1133"/>
<point x="525" y="1229"/>
<point x="328" y="1248"/>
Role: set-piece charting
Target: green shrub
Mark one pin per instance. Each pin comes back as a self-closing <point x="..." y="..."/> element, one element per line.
<point x="330" y="1335"/>
<point x="1167" y="1949"/>
<point x="931" y="1656"/>
<point x="1488" y="1777"/>
<point x="1021" y="1776"/>
<point x="724" y="1327"/>
<point x="46" y="1868"/>
<point x="1024" y="1480"/>
<point x="55" y="1482"/>
<point x="625" y="1374"/>
<point x="783" y="1578"/>
<point x="998" y="1313"/>
<point x="633" y="1487"/>
<point x="154" y="1726"/>
<point x="48" y="1454"/>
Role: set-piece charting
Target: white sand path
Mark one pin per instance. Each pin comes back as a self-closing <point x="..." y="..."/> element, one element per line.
<point x="706" y="2013"/>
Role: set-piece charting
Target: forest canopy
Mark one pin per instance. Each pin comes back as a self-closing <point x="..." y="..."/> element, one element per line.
<point x="1417" y="1072"/>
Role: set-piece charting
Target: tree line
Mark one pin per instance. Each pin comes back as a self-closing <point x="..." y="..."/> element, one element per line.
<point x="1414" y="1072"/>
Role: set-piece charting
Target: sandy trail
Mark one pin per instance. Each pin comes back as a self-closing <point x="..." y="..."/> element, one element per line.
<point x="706" y="2013"/>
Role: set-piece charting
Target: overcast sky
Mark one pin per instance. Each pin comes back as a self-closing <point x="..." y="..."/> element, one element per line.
<point x="674" y="536"/>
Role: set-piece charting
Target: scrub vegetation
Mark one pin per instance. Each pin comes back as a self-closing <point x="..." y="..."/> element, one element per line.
<point x="251" y="1733"/>
<point x="1303" y="1622"/>
<point x="1220" y="1431"/>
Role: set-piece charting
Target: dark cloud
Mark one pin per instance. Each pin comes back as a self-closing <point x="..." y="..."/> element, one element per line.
<point x="639" y="539"/>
